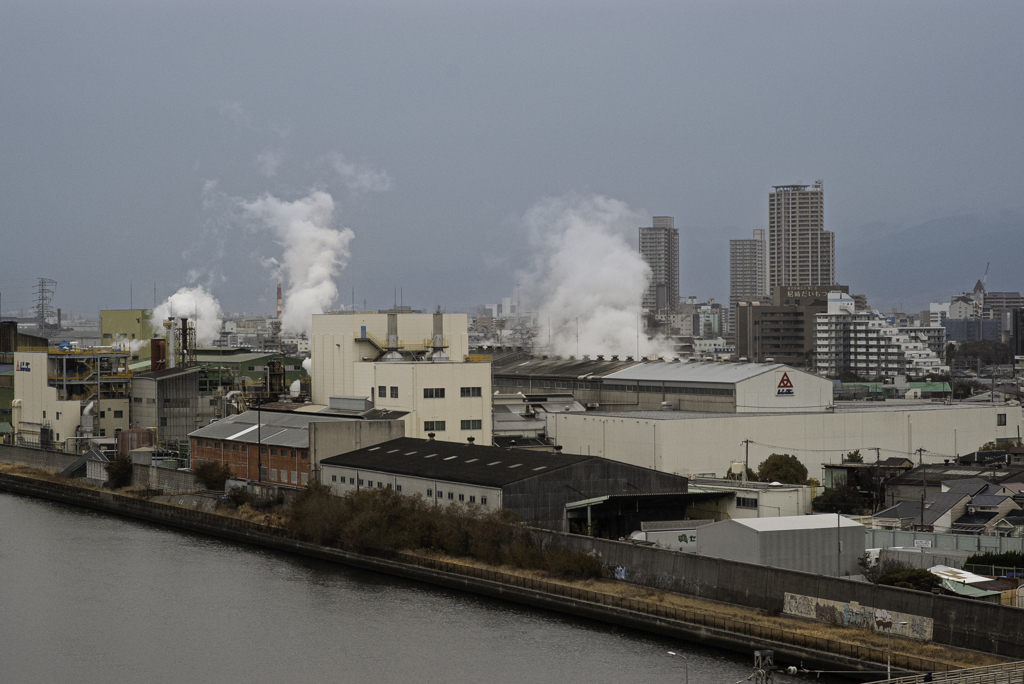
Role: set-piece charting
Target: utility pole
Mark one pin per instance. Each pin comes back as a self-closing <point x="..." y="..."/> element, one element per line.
<point x="878" y="454"/>
<point x="920" y="455"/>
<point x="746" y="459"/>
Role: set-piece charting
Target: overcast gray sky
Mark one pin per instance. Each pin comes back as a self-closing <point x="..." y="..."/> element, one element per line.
<point x="436" y="126"/>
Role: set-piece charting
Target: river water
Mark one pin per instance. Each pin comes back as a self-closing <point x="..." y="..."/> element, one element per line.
<point x="87" y="598"/>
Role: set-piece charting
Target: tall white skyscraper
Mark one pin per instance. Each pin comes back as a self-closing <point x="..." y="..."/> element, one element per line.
<point x="659" y="247"/>
<point x="801" y="253"/>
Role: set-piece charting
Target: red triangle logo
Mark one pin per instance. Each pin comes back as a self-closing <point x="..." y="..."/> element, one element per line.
<point x="785" y="382"/>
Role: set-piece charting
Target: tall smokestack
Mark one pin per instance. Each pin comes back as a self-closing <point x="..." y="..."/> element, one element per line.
<point x="392" y="331"/>
<point x="58" y="319"/>
<point x="278" y="299"/>
<point x="437" y="339"/>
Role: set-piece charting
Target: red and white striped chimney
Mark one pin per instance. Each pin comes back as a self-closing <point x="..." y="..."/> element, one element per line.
<point x="279" y="300"/>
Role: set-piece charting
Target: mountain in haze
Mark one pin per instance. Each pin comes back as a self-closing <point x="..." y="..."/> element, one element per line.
<point x="933" y="261"/>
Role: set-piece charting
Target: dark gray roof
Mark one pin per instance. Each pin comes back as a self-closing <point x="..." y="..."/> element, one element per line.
<point x="971" y="485"/>
<point x="284" y="428"/>
<point x="935" y="474"/>
<point x="454" y="461"/>
<point x="974" y="519"/>
<point x="988" y="500"/>
<point x="563" y="368"/>
<point x="935" y="507"/>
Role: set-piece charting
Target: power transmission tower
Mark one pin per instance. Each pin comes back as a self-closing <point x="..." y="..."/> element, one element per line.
<point x="44" y="295"/>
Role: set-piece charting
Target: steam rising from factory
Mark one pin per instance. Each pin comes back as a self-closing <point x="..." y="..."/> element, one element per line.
<point x="196" y="304"/>
<point x="587" y="280"/>
<point x="314" y="252"/>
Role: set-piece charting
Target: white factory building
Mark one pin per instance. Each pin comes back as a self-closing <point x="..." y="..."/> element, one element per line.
<point x="410" y="362"/>
<point x="706" y="444"/>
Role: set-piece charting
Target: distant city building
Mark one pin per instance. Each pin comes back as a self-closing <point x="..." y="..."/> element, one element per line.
<point x="801" y="253"/>
<point x="748" y="273"/>
<point x="962" y="330"/>
<point x="783" y="330"/>
<point x="1017" y="326"/>
<point x="866" y="344"/>
<point x="659" y="247"/>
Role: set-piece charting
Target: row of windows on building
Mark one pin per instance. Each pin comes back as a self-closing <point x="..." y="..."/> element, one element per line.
<point x="430" y="392"/>
<point x="398" y="488"/>
<point x="284" y="476"/>
<point x="439" y="425"/>
<point x="244" y="448"/>
<point x="103" y="414"/>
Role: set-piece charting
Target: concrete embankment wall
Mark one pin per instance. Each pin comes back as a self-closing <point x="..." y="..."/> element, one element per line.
<point x="812" y="651"/>
<point x="145" y="477"/>
<point x="957" y="622"/>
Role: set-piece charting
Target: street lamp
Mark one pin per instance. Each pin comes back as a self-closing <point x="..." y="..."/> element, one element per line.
<point x="686" y="666"/>
<point x="888" y="650"/>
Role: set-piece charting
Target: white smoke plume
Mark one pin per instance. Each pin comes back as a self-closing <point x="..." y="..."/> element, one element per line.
<point x="307" y="365"/>
<point x="295" y="388"/>
<point x="314" y="253"/>
<point x="588" y="279"/>
<point x="196" y="304"/>
<point x="358" y="178"/>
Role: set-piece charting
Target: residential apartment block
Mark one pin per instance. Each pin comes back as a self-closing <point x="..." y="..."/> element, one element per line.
<point x="801" y="253"/>
<point x="866" y="344"/>
<point x="748" y="273"/>
<point x="659" y="247"/>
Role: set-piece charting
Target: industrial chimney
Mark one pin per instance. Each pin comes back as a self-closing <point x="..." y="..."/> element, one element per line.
<point x="392" y="344"/>
<point x="437" y="344"/>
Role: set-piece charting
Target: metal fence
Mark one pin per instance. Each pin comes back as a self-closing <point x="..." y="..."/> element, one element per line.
<point x="995" y="570"/>
<point x="1007" y="673"/>
<point x="691" y="617"/>
<point x="883" y="539"/>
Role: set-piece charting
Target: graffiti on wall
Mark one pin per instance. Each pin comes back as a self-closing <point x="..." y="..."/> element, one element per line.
<point x="852" y="614"/>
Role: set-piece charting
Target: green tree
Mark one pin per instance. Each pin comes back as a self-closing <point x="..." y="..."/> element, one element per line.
<point x="853" y="457"/>
<point x="212" y="475"/>
<point x="119" y="472"/>
<point x="986" y="351"/>
<point x="782" y="468"/>
<point x="910" y="578"/>
<point x="962" y="389"/>
<point x="843" y="499"/>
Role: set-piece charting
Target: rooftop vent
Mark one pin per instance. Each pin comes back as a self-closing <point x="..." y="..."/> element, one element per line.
<point x="471" y="440"/>
<point x="558" y="448"/>
<point x="512" y="444"/>
<point x="430" y="436"/>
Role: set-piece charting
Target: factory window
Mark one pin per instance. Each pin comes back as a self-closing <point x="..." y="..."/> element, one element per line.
<point x="351" y="480"/>
<point x="1000" y="419"/>
<point x="380" y="485"/>
<point x="471" y="392"/>
<point x="440" y="494"/>
<point x="462" y="497"/>
<point x="252" y="368"/>
<point x="263" y="451"/>
<point x="394" y="392"/>
<point x="742" y="502"/>
<point x="451" y="495"/>
<point x="44" y="415"/>
<point x="273" y="474"/>
<point x="305" y="479"/>
<point x="295" y="477"/>
<point x="103" y="414"/>
<point x="103" y="432"/>
<point x="245" y="449"/>
<point x="483" y="500"/>
<point x="360" y="483"/>
<point x="472" y="425"/>
<point x="163" y="422"/>
<point x="398" y="488"/>
<point x="234" y="447"/>
<point x="433" y="425"/>
<point x="389" y="486"/>
<point x="138" y="400"/>
<point x="293" y="453"/>
<point x="213" y="402"/>
<point x="433" y="392"/>
<point x="216" y="445"/>
<point x="208" y="445"/>
<point x="430" y="492"/>
<point x="382" y="391"/>
<point x="334" y="478"/>
<point x="273" y="452"/>
<point x="305" y="455"/>
<point x="58" y="416"/>
<point x="472" y="499"/>
<point x="150" y="400"/>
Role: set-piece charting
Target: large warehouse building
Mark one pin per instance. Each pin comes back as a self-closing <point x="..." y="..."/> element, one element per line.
<point x="822" y="544"/>
<point x="705" y="443"/>
<point x="652" y="386"/>
<point x="558" y="491"/>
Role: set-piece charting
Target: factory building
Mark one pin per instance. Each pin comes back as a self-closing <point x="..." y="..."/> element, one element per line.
<point x="558" y="491"/>
<point x="821" y="544"/>
<point x="127" y="329"/>
<point x="627" y="385"/>
<point x="67" y="393"/>
<point x="688" y="442"/>
<point x="408" y="362"/>
<point x="167" y="401"/>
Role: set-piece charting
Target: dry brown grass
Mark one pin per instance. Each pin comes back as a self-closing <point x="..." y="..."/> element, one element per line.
<point x="861" y="637"/>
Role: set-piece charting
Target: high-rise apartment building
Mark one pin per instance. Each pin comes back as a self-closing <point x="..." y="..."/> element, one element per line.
<point x="659" y="247"/>
<point x="748" y="274"/>
<point x="801" y="253"/>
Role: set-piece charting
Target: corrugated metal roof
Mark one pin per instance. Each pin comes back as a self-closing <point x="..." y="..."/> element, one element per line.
<point x="565" y="368"/>
<point x="797" y="522"/>
<point x="276" y="429"/>
<point x="454" y="461"/>
<point x="727" y="373"/>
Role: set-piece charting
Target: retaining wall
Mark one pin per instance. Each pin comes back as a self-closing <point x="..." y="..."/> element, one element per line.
<point x="957" y="622"/>
<point x="36" y="458"/>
